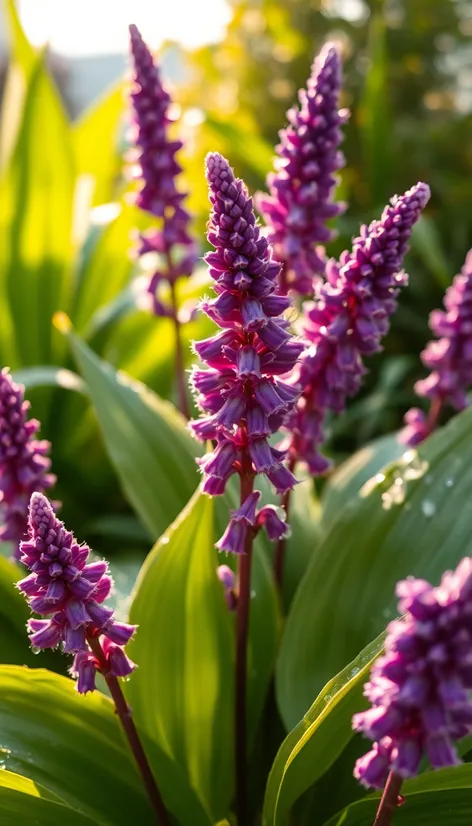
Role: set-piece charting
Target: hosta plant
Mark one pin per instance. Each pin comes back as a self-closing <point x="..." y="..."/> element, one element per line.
<point x="236" y="679"/>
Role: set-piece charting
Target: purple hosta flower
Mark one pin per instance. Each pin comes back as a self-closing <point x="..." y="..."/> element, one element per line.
<point x="24" y="461"/>
<point x="301" y="189"/>
<point x="241" y="393"/>
<point x="449" y="358"/>
<point x="347" y="321"/>
<point x="69" y="592"/>
<point x="227" y="578"/>
<point x="420" y="689"/>
<point x="158" y="169"/>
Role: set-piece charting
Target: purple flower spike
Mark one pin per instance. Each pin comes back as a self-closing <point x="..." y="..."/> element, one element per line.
<point x="158" y="169"/>
<point x="241" y="394"/>
<point x="24" y="461"/>
<point x="420" y="688"/>
<point x="347" y="321"/>
<point x="449" y="358"/>
<point x="69" y="591"/>
<point x="301" y="190"/>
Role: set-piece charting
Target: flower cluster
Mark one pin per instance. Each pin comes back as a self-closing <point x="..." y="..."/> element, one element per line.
<point x="347" y="321"/>
<point x="24" y="463"/>
<point x="420" y="689"/>
<point x="241" y="393"/>
<point x="301" y="189"/>
<point x="70" y="592"/>
<point x="158" y="168"/>
<point x="449" y="358"/>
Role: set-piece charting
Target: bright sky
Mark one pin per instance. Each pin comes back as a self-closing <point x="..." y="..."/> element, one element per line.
<point x="85" y="27"/>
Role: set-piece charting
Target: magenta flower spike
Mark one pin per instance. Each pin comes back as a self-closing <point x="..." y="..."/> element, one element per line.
<point x="301" y="198"/>
<point x="69" y="592"/>
<point x="157" y="168"/>
<point x="420" y="689"/>
<point x="241" y="394"/>
<point x="449" y="357"/>
<point x="24" y="461"/>
<point x="347" y="321"/>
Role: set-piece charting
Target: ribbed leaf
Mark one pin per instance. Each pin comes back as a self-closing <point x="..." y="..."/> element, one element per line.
<point x="319" y="738"/>
<point x="74" y="747"/>
<point x="412" y="519"/>
<point x="23" y="801"/>
<point x="182" y="693"/>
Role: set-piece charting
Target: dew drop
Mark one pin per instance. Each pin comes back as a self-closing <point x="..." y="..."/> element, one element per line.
<point x="35" y="650"/>
<point x="449" y="483"/>
<point x="428" y="508"/>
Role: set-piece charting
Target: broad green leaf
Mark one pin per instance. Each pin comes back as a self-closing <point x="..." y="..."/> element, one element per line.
<point x="23" y="801"/>
<point x="107" y="268"/>
<point x="432" y="799"/>
<point x="21" y="64"/>
<point x="47" y="375"/>
<point x="146" y="438"/>
<point x="319" y="738"/>
<point x="14" y="646"/>
<point x="413" y="518"/>
<point x="38" y="275"/>
<point x="230" y="132"/>
<point x="304" y="518"/>
<point x="182" y="693"/>
<point x="349" y="477"/>
<point x="74" y="747"/>
<point x="95" y="139"/>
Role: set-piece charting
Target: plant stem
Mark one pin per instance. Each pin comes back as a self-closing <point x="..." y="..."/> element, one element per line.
<point x="389" y="801"/>
<point x="434" y="413"/>
<point x="279" y="557"/>
<point x="126" y="719"/>
<point x="179" y="359"/>
<point x="242" y="627"/>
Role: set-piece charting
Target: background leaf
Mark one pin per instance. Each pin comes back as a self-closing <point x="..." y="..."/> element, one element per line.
<point x="22" y="801"/>
<point x="182" y="693"/>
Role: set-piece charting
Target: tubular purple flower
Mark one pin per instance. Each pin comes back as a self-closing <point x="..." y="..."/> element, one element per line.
<point x="420" y="688"/>
<point x="449" y="358"/>
<point x="24" y="461"/>
<point x="301" y="189"/>
<point x="69" y="591"/>
<point x="228" y="581"/>
<point x="347" y="321"/>
<point x="244" y="397"/>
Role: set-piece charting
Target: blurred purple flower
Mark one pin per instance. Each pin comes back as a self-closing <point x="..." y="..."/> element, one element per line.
<point x="449" y="358"/>
<point x="158" y="169"/>
<point x="227" y="578"/>
<point x="70" y="592"/>
<point x="241" y="394"/>
<point x="24" y="461"/>
<point x="347" y="322"/>
<point x="301" y="189"/>
<point x="420" y="689"/>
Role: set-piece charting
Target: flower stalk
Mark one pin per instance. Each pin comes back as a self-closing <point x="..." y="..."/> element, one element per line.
<point x="390" y="800"/>
<point x="125" y="716"/>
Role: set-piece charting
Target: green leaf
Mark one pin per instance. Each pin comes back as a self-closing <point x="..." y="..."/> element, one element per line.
<point x="21" y="65"/>
<point x="182" y="693"/>
<point x="38" y="274"/>
<point x="46" y="375"/>
<point x="426" y="242"/>
<point x="349" y="477"/>
<point x="74" y="747"/>
<point x="95" y="139"/>
<point x="23" y="801"/>
<point x="413" y="518"/>
<point x="319" y="738"/>
<point x="432" y="799"/>
<point x="304" y="521"/>
<point x="146" y="438"/>
<point x="14" y="646"/>
<point x="107" y="268"/>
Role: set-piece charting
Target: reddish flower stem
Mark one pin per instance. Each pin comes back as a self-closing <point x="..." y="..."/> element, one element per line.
<point x="242" y="629"/>
<point x="390" y="800"/>
<point x="279" y="557"/>
<point x="179" y="358"/>
<point x="124" y="713"/>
